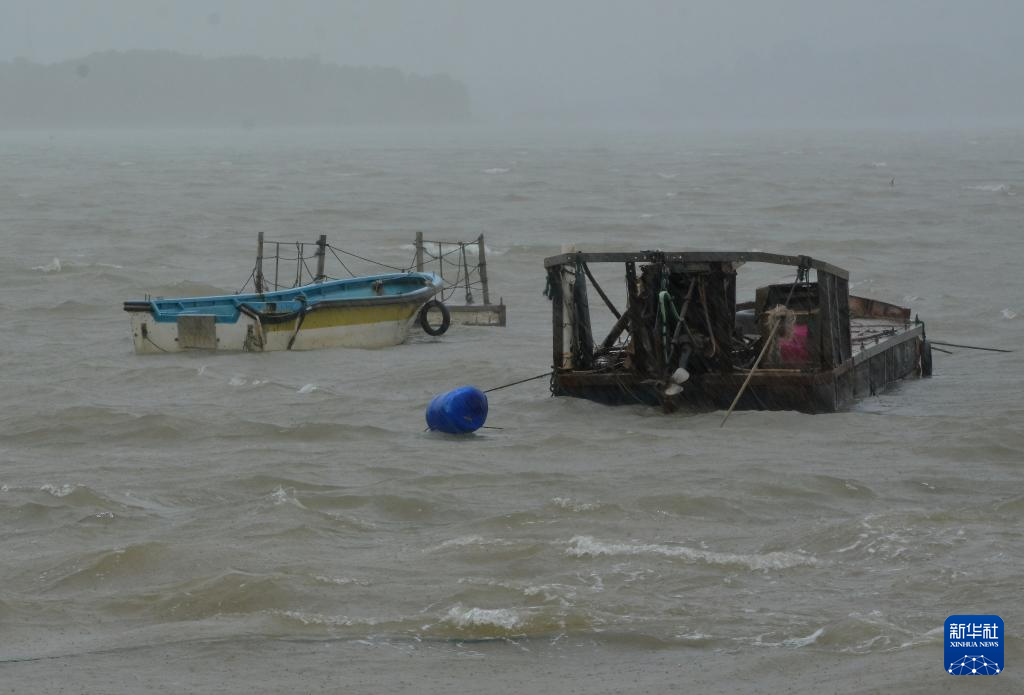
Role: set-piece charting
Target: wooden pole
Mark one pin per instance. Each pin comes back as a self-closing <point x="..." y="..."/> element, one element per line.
<point x="483" y="270"/>
<point x="258" y="281"/>
<point x="321" y="257"/>
<point x="607" y="302"/>
<point x="750" y="374"/>
<point x="465" y="269"/>
<point x="419" y="252"/>
<point x="277" y="263"/>
<point x="557" y="310"/>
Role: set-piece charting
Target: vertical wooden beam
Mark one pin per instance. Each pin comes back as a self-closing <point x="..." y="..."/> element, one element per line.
<point x="483" y="269"/>
<point x="277" y="263"/>
<point x="321" y="256"/>
<point x="632" y="315"/>
<point x="566" y="282"/>
<point x="258" y="279"/>
<point x="465" y="271"/>
<point x="419" y="252"/>
<point x="557" y="306"/>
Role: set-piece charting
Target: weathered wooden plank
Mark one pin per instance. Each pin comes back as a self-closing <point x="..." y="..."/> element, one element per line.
<point x="696" y="257"/>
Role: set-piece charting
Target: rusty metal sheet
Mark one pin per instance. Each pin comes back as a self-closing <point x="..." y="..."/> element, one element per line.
<point x="197" y="332"/>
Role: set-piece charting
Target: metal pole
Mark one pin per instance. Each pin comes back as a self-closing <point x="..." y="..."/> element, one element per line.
<point x="465" y="268"/>
<point x="259" y="264"/>
<point x="419" y="252"/>
<point x="483" y="270"/>
<point x="321" y="256"/>
<point x="277" y="263"/>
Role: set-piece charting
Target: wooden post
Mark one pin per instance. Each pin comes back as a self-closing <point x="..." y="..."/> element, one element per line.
<point x="277" y="263"/>
<point x="483" y="270"/>
<point x="557" y="309"/>
<point x="465" y="269"/>
<point x="565" y="279"/>
<point x="419" y="252"/>
<point x="321" y="256"/>
<point x="258" y="279"/>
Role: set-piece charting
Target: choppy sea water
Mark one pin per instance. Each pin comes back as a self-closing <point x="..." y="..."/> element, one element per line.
<point x="281" y="522"/>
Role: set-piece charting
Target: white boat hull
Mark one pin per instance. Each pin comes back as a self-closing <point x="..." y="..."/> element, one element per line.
<point x="357" y="327"/>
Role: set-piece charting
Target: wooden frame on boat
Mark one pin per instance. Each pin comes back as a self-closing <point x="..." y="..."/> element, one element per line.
<point x="683" y="340"/>
<point x="469" y="275"/>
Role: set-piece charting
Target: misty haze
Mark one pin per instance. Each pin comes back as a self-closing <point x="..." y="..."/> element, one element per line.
<point x="510" y="346"/>
<point x="659" y="62"/>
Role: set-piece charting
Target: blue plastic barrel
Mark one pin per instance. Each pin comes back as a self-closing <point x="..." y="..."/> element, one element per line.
<point x="460" y="411"/>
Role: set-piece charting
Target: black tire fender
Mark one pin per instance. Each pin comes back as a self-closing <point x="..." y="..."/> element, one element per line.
<point x="926" y="358"/>
<point x="446" y="318"/>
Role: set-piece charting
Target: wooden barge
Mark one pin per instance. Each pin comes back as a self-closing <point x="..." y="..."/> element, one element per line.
<point x="682" y="339"/>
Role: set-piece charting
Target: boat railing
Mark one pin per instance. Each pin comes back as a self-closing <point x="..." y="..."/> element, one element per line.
<point x="461" y="267"/>
<point x="297" y="263"/>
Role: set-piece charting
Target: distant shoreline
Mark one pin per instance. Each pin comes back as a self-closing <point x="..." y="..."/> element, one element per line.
<point x="165" y="89"/>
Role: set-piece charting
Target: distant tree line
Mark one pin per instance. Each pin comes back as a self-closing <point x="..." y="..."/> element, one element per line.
<point x="163" y="88"/>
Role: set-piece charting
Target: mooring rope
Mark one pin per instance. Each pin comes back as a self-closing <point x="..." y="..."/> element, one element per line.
<point x="970" y="347"/>
<point x="521" y="381"/>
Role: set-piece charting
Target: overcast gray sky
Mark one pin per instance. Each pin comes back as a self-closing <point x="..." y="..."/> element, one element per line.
<point x="652" y="60"/>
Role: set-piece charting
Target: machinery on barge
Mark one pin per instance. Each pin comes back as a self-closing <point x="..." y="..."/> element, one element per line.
<point x="683" y="339"/>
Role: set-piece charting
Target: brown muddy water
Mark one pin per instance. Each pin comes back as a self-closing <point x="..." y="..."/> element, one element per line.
<point x="260" y="523"/>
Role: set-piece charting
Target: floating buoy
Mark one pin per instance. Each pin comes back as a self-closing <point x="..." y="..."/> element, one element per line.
<point x="460" y="411"/>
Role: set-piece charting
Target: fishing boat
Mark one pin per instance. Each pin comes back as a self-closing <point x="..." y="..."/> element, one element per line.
<point x="683" y="340"/>
<point x="366" y="312"/>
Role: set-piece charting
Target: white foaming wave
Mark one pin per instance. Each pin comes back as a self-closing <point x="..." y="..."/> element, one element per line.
<point x="572" y="505"/>
<point x="283" y="496"/>
<point x="4" y="488"/>
<point x="463" y="541"/>
<point x="244" y="381"/>
<point x="308" y="388"/>
<point x="694" y="637"/>
<point x="341" y="581"/>
<point x="584" y="546"/>
<point x="560" y="593"/>
<point x="495" y="170"/>
<point x="667" y="177"/>
<point x="62" y="491"/>
<point x="505" y="618"/>
<point x="474" y="540"/>
<point x="991" y="188"/>
<point x="1009" y="314"/>
<point x="797" y="642"/>
<point x="932" y="635"/>
<point x="879" y="165"/>
<point x="323" y="620"/>
<point x="53" y="266"/>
